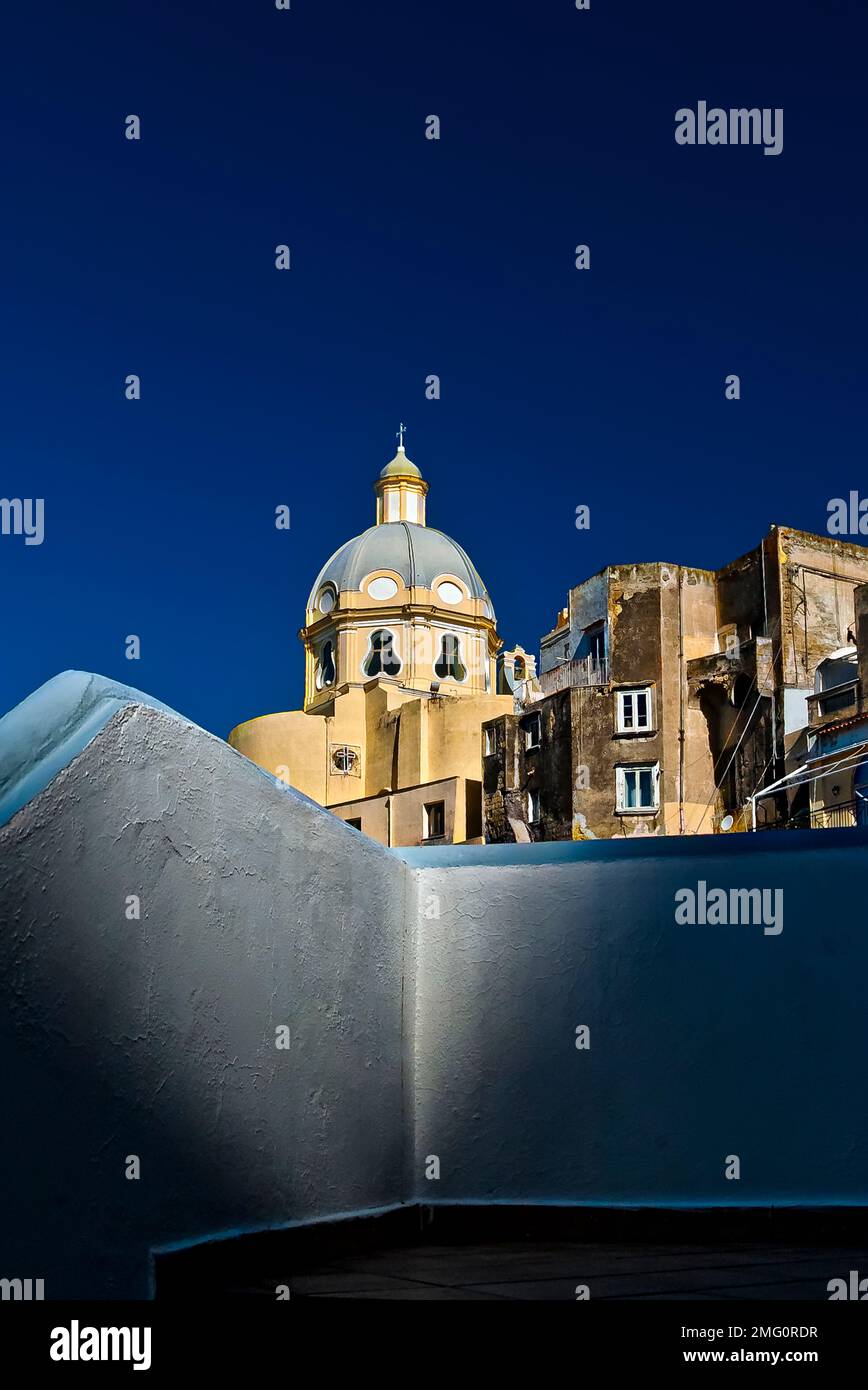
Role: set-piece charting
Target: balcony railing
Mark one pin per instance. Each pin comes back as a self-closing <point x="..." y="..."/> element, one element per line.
<point x="831" y="817"/>
<point x="842" y="814"/>
<point x="584" y="670"/>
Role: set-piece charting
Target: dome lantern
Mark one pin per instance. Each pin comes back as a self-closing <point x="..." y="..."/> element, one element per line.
<point x="401" y="489"/>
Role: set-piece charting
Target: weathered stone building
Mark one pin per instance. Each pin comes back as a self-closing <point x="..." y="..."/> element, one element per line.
<point x="829" y="789"/>
<point x="668" y="695"/>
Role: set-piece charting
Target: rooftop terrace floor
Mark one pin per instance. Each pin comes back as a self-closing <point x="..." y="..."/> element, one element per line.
<point x="388" y="1260"/>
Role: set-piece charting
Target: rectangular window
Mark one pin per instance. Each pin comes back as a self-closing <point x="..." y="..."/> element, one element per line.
<point x="412" y="506"/>
<point x="634" y="711"/>
<point x="637" y="788"/>
<point x="532" y="731"/>
<point x="489" y="742"/>
<point x="434" y="820"/>
<point x="532" y="807"/>
<point x="356" y="824"/>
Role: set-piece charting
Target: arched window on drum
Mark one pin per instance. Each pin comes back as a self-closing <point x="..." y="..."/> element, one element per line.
<point x="449" y="665"/>
<point x="382" y="659"/>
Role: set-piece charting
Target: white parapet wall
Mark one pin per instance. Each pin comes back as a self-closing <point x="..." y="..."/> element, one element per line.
<point x="155" y="1036"/>
<point x="166" y="908"/>
<point x="698" y="1044"/>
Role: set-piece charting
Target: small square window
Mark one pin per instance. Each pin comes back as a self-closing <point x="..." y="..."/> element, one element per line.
<point x="637" y="788"/>
<point x="434" y="820"/>
<point x="356" y="824"/>
<point x="633" y="711"/>
<point x="532" y="731"/>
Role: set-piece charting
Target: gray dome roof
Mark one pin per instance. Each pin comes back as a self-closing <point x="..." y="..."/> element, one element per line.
<point x="418" y="553"/>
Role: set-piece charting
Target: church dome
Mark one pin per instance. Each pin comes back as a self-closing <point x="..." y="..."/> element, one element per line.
<point x="419" y="554"/>
<point x="402" y="602"/>
<point x="400" y="467"/>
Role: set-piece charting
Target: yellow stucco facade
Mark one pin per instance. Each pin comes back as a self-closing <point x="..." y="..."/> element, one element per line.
<point x="400" y="643"/>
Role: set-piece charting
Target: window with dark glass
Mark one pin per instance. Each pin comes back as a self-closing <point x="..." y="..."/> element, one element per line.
<point x="449" y="663"/>
<point x="532" y="731"/>
<point x="634" y="711"/>
<point x="434" y="820"/>
<point x="382" y="659"/>
<point x="325" y="671"/>
<point x="637" y="788"/>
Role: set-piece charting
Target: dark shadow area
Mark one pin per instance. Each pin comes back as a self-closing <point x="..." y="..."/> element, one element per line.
<point x="535" y="1254"/>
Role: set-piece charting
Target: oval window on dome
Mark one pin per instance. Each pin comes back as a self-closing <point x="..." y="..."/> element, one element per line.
<point x="326" y="601"/>
<point x="382" y="588"/>
<point x="449" y="592"/>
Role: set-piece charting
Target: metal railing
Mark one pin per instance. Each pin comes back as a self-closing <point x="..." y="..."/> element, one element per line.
<point x="842" y="814"/>
<point x="584" y="670"/>
<point x="831" y="817"/>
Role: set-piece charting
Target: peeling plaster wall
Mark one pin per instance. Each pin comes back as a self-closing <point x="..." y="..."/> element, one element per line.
<point x="587" y="606"/>
<point x="157" y="1037"/>
<point x="818" y="577"/>
<point x="706" y="1041"/>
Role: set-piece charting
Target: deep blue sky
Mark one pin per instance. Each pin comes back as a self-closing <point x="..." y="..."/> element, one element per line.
<point x="409" y="257"/>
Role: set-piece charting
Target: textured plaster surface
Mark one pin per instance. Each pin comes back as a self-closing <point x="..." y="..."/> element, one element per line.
<point x="705" y="1041"/>
<point x="432" y="998"/>
<point x="44" y="733"/>
<point x="157" y="1038"/>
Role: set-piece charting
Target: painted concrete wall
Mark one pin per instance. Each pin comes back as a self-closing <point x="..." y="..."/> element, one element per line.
<point x="398" y="818"/>
<point x="292" y="746"/>
<point x="157" y="1037"/>
<point x="705" y="1041"/>
<point x="432" y="995"/>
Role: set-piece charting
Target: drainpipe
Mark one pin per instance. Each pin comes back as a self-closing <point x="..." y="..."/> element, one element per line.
<point x="682" y="676"/>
